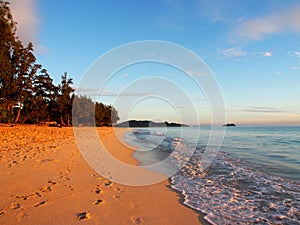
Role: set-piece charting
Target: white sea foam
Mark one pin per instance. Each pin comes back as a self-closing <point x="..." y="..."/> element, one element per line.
<point x="231" y="191"/>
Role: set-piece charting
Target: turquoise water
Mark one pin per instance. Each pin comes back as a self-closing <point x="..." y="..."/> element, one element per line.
<point x="255" y="177"/>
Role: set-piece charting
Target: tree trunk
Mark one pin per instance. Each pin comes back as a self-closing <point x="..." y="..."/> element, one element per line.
<point x="69" y="122"/>
<point x="10" y="110"/>
<point x="18" y="115"/>
<point x="62" y="121"/>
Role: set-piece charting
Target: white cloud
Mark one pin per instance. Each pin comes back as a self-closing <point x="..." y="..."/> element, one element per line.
<point x="297" y="54"/>
<point x="123" y="94"/>
<point x="268" y="54"/>
<point x="240" y="54"/>
<point x="25" y="14"/>
<point x="105" y="93"/>
<point x="260" y="109"/>
<point x="261" y="54"/>
<point x="295" y="68"/>
<point x="286" y="20"/>
<point x="232" y="52"/>
<point x="291" y="115"/>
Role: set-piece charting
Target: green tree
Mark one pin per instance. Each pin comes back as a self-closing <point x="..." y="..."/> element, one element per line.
<point x="45" y="94"/>
<point x="7" y="43"/>
<point x="65" y="99"/>
<point x="83" y="111"/>
<point x="105" y="115"/>
<point x="114" y="117"/>
<point x="17" y="65"/>
<point x="26" y="70"/>
<point x="87" y="113"/>
<point x="27" y="92"/>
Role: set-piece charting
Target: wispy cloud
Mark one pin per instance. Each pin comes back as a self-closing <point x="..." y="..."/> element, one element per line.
<point x="25" y="14"/>
<point x="232" y="52"/>
<point x="240" y="53"/>
<point x="285" y="20"/>
<point x="214" y="11"/>
<point x="297" y="54"/>
<point x="124" y="94"/>
<point x="290" y="115"/>
<point x="195" y="72"/>
<point x="108" y="93"/>
<point x="295" y="68"/>
<point x="258" y="109"/>
<point x="85" y="89"/>
<point x="267" y="54"/>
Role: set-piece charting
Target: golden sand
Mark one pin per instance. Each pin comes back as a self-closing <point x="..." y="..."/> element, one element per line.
<point x="45" y="180"/>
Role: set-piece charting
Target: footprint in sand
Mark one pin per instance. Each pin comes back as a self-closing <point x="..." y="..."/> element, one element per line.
<point x="52" y="182"/>
<point x="96" y="175"/>
<point x="83" y="215"/>
<point x="25" y="197"/>
<point x="97" y="191"/>
<point x="14" y="162"/>
<point x="116" y="196"/>
<point x="108" y="183"/>
<point x="21" y="216"/>
<point x="70" y="187"/>
<point x="137" y="220"/>
<point x="15" y="205"/>
<point x="46" y="189"/>
<point x="39" y="204"/>
<point x="36" y="194"/>
<point x="48" y="160"/>
<point x="118" y="189"/>
<point x="98" y="201"/>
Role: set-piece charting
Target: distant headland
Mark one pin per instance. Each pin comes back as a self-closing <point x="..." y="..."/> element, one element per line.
<point x="229" y="125"/>
<point x="147" y="123"/>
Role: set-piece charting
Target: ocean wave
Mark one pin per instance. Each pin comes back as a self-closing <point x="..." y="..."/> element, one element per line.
<point x="230" y="193"/>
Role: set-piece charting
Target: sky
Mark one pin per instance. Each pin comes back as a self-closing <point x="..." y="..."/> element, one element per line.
<point x="251" y="47"/>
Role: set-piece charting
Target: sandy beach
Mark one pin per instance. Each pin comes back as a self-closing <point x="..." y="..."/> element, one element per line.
<point x="45" y="180"/>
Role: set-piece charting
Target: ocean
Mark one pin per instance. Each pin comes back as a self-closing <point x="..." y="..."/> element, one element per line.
<point x="253" y="179"/>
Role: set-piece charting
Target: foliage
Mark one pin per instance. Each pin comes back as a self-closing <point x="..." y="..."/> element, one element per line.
<point x="87" y="113"/>
<point x="27" y="92"/>
<point x="83" y="111"/>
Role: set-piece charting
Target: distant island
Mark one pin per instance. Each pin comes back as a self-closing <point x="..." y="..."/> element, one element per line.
<point x="229" y="125"/>
<point x="147" y="123"/>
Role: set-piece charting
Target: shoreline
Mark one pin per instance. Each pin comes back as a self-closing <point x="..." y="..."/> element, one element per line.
<point x="202" y="220"/>
<point x="45" y="180"/>
<point x="169" y="186"/>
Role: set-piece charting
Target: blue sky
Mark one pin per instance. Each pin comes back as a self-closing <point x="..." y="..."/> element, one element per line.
<point x="252" y="47"/>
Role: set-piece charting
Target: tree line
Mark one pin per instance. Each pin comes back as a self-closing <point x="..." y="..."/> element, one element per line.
<point x="27" y="91"/>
